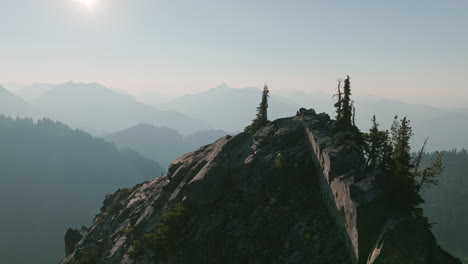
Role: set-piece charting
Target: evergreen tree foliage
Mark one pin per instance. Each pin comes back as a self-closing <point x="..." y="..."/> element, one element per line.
<point x="262" y="113"/>
<point x="375" y="144"/>
<point x="345" y="113"/>
<point x="346" y="106"/>
<point x="403" y="185"/>
<point x="345" y="110"/>
<point x="56" y="177"/>
<point x="338" y="103"/>
<point x="391" y="153"/>
<point x="386" y="164"/>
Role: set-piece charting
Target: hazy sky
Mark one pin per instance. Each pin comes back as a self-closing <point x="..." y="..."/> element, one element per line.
<point x="399" y="49"/>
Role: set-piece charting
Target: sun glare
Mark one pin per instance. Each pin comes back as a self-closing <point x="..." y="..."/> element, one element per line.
<point x="87" y="3"/>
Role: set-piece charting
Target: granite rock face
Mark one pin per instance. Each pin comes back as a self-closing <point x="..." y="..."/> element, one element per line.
<point x="291" y="193"/>
<point x="350" y="191"/>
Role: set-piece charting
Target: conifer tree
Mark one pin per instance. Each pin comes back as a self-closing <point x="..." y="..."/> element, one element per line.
<point x="338" y="103"/>
<point x="403" y="179"/>
<point x="404" y="191"/>
<point x="346" y="113"/>
<point x="346" y="103"/>
<point x="378" y="148"/>
<point x="261" y="118"/>
<point x="386" y="163"/>
<point x="374" y="144"/>
<point x="344" y="107"/>
<point x="262" y="109"/>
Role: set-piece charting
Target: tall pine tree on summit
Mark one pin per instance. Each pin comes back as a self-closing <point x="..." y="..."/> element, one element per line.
<point x="345" y="113"/>
<point x="262" y="109"/>
<point x="346" y="106"/>
<point x="262" y="113"/>
<point x="338" y="103"/>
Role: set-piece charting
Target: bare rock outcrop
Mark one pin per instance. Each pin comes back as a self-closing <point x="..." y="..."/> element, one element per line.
<point x="292" y="193"/>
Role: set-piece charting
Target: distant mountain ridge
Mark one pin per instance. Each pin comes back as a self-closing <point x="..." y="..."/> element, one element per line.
<point x="228" y="108"/>
<point x="446" y="129"/>
<point x="33" y="91"/>
<point x="160" y="143"/>
<point x="12" y="105"/>
<point x="36" y="90"/>
<point x="51" y="175"/>
<point x="90" y="105"/>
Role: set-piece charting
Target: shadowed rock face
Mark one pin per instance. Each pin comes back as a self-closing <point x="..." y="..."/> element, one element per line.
<point x="291" y="193"/>
<point x="72" y="237"/>
<point x="409" y="241"/>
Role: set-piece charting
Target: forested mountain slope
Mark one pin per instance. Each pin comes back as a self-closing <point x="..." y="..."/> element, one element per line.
<point x="51" y="176"/>
<point x="446" y="204"/>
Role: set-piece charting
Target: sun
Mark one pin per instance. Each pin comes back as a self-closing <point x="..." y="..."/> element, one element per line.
<point x="87" y="3"/>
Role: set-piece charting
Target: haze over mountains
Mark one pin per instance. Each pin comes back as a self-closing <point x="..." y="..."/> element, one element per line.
<point x="446" y="203"/>
<point x="161" y="143"/>
<point x="53" y="176"/>
<point x="33" y="91"/>
<point x="98" y="109"/>
<point x="102" y="110"/>
<point x="11" y="104"/>
<point x="236" y="105"/>
<point x="94" y="106"/>
<point x="160" y="132"/>
<point x="446" y="129"/>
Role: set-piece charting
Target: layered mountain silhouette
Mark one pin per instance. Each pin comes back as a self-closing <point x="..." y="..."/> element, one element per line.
<point x="33" y="91"/>
<point x="444" y="128"/>
<point x="51" y="176"/>
<point x="102" y="110"/>
<point x="228" y="108"/>
<point x="12" y="105"/>
<point x="93" y="106"/>
<point x="160" y="143"/>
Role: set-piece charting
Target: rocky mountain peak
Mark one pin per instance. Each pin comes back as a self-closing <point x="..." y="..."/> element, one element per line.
<point x="294" y="192"/>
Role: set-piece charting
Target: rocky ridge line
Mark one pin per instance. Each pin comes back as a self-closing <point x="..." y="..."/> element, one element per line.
<point x="291" y="193"/>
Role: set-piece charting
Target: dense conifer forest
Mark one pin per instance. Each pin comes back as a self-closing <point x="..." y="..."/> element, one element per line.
<point x="53" y="177"/>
